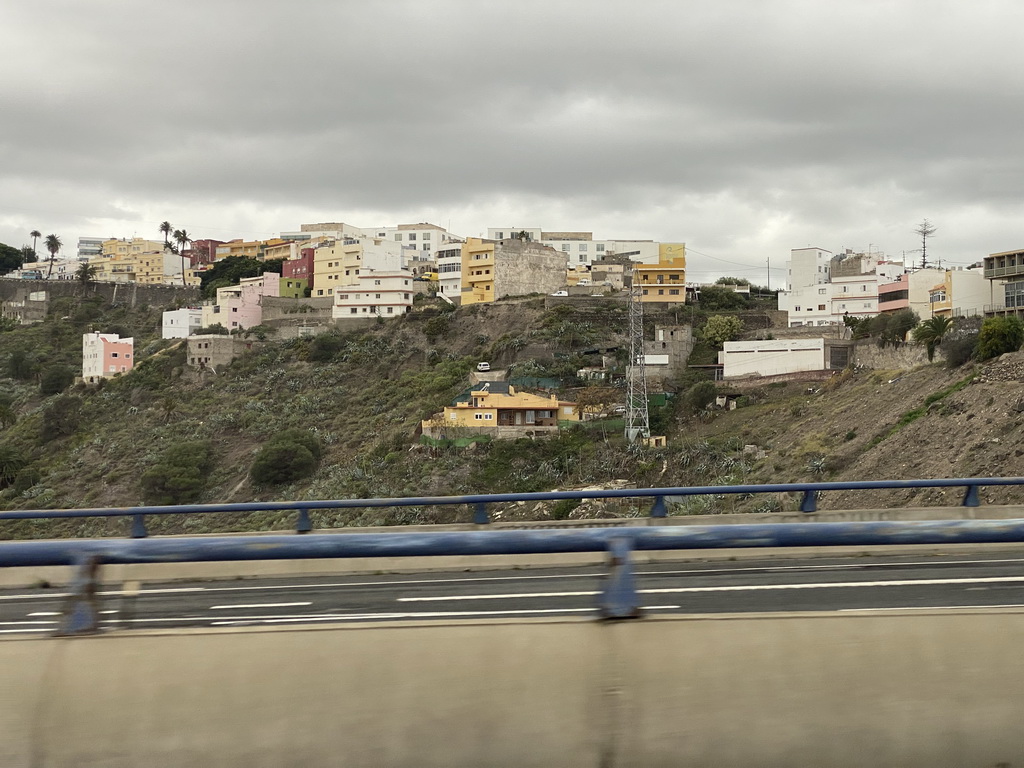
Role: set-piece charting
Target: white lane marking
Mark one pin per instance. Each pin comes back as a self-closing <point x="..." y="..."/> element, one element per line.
<point x="13" y="623"/>
<point x="707" y="571"/>
<point x="40" y="596"/>
<point x="695" y="571"/>
<point x="45" y="613"/>
<point x="258" y="605"/>
<point x="510" y="596"/>
<point x="426" y="615"/>
<point x="729" y="588"/>
<point x="20" y="631"/>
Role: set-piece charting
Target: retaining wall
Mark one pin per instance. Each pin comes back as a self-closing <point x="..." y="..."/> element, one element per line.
<point x="826" y="690"/>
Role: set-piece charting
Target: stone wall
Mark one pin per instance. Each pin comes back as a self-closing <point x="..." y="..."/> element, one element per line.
<point x="131" y="294"/>
<point x="868" y="354"/>
<point x="524" y="267"/>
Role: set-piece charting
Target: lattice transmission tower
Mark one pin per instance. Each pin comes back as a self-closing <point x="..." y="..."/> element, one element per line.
<point x="638" y="420"/>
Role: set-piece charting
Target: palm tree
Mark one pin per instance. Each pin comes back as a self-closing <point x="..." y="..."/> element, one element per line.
<point x="35" y="234"/>
<point x="166" y="228"/>
<point x="86" y="273"/>
<point x="53" y="245"/>
<point x="182" y="239"/>
<point x="931" y="332"/>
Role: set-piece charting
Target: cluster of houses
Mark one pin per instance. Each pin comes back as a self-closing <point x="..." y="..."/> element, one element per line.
<point x="823" y="288"/>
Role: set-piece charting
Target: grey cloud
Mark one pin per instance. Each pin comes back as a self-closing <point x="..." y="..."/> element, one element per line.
<point x="745" y="125"/>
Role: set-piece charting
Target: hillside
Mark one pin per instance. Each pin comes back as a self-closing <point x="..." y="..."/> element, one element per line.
<point x="363" y="395"/>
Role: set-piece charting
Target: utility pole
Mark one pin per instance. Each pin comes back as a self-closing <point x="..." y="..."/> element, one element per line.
<point x="638" y="421"/>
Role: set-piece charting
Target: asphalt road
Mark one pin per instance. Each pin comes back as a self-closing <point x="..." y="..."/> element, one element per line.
<point x="797" y="584"/>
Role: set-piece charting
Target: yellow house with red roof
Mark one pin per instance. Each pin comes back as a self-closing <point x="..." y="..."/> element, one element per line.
<point x="498" y="409"/>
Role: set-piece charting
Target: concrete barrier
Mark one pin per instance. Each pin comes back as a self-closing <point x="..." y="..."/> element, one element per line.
<point x="906" y="689"/>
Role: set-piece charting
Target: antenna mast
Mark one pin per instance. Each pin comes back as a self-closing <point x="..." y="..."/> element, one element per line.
<point x="638" y="421"/>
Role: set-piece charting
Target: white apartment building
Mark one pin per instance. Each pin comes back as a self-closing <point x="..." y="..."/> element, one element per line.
<point x="88" y="247"/>
<point x="181" y="323"/>
<point x="580" y="248"/>
<point x="338" y="263"/>
<point x="807" y="266"/>
<point x="375" y="293"/>
<point x="449" y="271"/>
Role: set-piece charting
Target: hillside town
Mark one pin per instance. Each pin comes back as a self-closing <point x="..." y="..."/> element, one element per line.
<point x="332" y="274"/>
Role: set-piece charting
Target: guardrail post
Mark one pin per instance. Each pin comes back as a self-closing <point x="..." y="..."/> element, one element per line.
<point x="619" y="599"/>
<point x="480" y="516"/>
<point x="810" y="502"/>
<point x="81" y="614"/>
<point x="139" y="527"/>
<point x="971" y="498"/>
<point x="303" y="524"/>
<point x="658" y="508"/>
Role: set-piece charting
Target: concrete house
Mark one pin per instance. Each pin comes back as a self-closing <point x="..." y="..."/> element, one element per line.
<point x="105" y="355"/>
<point x="496" y="409"/>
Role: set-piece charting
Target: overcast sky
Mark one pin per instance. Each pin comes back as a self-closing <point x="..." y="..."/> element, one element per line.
<point x="742" y="128"/>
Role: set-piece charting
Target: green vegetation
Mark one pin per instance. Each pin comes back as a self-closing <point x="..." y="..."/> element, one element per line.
<point x="289" y="456"/>
<point x="721" y="328"/>
<point x="180" y="473"/>
<point x="998" y="336"/>
<point x="931" y="333"/>
<point x="11" y="258"/>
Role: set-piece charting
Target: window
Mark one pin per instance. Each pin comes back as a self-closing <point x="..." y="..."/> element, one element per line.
<point x="376" y="282"/>
<point x="426" y="235"/>
<point x="391" y="310"/>
<point x="565" y="247"/>
<point x="412" y="236"/>
<point x="600" y="247"/>
<point x="376" y="295"/>
<point x="355" y="311"/>
<point x="342" y="295"/>
<point x="645" y="293"/>
<point x="661" y="291"/>
<point x="821" y="291"/>
<point x="673" y="292"/>
<point x="583" y="247"/>
<point x="398" y="236"/>
<point x="478" y="416"/>
<point x="796" y="308"/>
<point x="426" y="246"/>
<point x="453" y="416"/>
<point x="113" y="354"/>
<point x="499" y="235"/>
<point x="821" y="307"/>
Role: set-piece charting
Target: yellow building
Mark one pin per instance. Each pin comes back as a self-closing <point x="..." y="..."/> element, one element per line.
<point x="146" y="268"/>
<point x="664" y="282"/>
<point x="477" y="271"/>
<point x="495" y="407"/>
<point x="493" y="269"/>
<point x="337" y="263"/>
<point x="136" y="245"/>
<point x="250" y="249"/>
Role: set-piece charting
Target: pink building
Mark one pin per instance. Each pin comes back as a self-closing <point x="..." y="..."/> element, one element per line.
<point x="105" y="355"/>
<point x="241" y="306"/>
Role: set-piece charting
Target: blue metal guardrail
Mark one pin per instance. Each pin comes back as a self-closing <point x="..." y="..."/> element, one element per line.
<point x="479" y="502"/>
<point x="619" y="598"/>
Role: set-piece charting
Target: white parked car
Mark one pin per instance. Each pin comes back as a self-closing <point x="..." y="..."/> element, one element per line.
<point x="560" y="293"/>
<point x="483" y="366"/>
